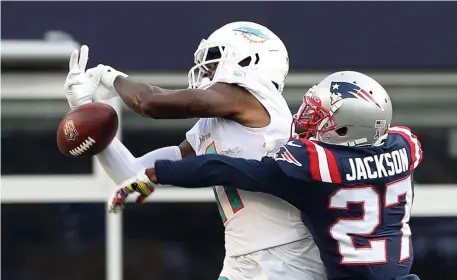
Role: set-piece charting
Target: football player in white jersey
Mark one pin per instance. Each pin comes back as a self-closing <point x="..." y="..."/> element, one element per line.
<point x="235" y="88"/>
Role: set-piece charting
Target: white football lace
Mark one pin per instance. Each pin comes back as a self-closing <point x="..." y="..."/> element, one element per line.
<point x="83" y="147"/>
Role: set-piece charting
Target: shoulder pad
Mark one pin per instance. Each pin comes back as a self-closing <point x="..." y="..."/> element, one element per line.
<point x="246" y="78"/>
<point x="307" y="160"/>
<point x="412" y="143"/>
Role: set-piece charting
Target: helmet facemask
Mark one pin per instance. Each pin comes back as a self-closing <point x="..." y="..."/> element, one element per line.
<point x="211" y="57"/>
<point x="312" y="117"/>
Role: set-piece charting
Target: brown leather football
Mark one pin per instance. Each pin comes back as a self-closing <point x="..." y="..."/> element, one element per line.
<point x="87" y="130"/>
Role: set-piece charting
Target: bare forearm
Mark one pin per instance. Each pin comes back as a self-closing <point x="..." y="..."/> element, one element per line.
<point x="159" y="103"/>
<point x="134" y="94"/>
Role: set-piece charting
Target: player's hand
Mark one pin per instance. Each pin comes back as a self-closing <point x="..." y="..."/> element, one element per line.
<point x="109" y="74"/>
<point x="79" y="87"/>
<point x="139" y="184"/>
<point x="102" y="92"/>
<point x="105" y="89"/>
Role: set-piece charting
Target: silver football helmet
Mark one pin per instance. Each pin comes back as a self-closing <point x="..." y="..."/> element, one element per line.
<point x="346" y="108"/>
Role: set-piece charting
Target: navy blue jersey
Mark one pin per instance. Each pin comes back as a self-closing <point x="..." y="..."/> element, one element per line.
<point x="356" y="201"/>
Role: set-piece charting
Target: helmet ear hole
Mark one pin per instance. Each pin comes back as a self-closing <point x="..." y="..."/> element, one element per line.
<point x="342" y="131"/>
<point x="245" y="62"/>
<point x="248" y="60"/>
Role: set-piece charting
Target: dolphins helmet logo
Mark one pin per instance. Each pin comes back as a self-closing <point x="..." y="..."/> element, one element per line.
<point x="253" y="35"/>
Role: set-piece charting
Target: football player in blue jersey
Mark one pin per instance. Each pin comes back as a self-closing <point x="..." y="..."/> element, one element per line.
<point x="349" y="172"/>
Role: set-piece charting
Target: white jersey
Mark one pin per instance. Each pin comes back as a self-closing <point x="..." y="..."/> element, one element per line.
<point x="253" y="221"/>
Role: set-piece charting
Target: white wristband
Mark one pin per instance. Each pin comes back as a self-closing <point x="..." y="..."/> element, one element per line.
<point x="109" y="75"/>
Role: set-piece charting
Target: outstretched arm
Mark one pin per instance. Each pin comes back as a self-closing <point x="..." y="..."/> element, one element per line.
<point x="220" y="100"/>
<point x="209" y="170"/>
<point x="120" y="165"/>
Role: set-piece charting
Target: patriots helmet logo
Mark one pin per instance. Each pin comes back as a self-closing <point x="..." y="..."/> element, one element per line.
<point x="342" y="90"/>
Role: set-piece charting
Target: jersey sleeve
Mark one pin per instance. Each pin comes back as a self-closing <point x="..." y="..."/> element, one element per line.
<point x="412" y="143"/>
<point x="192" y="137"/>
<point x="260" y="87"/>
<point x="211" y="170"/>
<point x="246" y="79"/>
<point x="265" y="91"/>
<point x="308" y="161"/>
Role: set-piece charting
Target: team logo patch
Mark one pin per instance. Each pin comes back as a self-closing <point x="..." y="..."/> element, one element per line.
<point x="380" y="126"/>
<point x="285" y="155"/>
<point x="343" y="90"/>
<point x="253" y="35"/>
<point x="69" y="129"/>
<point x="239" y="73"/>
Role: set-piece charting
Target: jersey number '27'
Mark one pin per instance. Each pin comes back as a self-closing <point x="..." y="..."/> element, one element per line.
<point x="369" y="221"/>
<point x="231" y="194"/>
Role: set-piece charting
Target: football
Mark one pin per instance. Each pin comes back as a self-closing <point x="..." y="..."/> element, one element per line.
<point x="87" y="130"/>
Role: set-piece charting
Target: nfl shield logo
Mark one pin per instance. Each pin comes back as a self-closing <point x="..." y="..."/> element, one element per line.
<point x="69" y="129"/>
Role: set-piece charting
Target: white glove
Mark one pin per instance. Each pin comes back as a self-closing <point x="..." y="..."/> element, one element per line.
<point x="109" y="75"/>
<point x="79" y="87"/>
<point x="106" y="88"/>
<point x="101" y="93"/>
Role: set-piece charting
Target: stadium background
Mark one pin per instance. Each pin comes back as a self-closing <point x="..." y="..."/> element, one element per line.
<point x="53" y="221"/>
